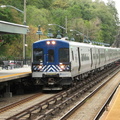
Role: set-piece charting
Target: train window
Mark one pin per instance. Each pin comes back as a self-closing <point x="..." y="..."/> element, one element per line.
<point x="50" y="55"/>
<point x="102" y="55"/>
<point x="85" y="57"/>
<point x="82" y="57"/>
<point x="94" y="57"/>
<point x="63" y="55"/>
<point x="38" y="55"/>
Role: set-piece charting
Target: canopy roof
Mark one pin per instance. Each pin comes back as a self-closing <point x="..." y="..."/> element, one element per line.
<point x="12" y="28"/>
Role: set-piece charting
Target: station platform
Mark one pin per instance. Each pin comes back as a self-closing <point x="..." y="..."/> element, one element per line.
<point x="113" y="111"/>
<point x="11" y="74"/>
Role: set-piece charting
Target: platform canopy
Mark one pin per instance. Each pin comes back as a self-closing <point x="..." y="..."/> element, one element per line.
<point x="12" y="28"/>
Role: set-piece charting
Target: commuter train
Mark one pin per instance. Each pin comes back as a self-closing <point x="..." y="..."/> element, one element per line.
<point x="59" y="63"/>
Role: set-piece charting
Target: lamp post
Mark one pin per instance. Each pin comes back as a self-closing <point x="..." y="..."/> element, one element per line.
<point x="50" y="33"/>
<point x="24" y="36"/>
<point x="61" y="28"/>
<point x="59" y="35"/>
<point x="39" y="32"/>
<point x="79" y="33"/>
<point x="58" y="26"/>
<point x="12" y="7"/>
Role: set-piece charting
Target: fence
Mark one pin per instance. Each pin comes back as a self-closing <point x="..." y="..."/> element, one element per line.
<point x="6" y="63"/>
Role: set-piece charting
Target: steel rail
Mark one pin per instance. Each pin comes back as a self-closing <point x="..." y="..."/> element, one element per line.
<point x="70" y="112"/>
<point x="45" y="108"/>
<point x="6" y="108"/>
<point x="40" y="106"/>
<point x="103" y="108"/>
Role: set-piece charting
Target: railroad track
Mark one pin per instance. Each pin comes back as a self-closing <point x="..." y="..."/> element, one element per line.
<point x="6" y="108"/>
<point x="21" y="105"/>
<point x="105" y="105"/>
<point x="50" y="107"/>
<point x="83" y="104"/>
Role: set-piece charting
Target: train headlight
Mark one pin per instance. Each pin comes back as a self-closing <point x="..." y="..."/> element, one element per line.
<point x="53" y="42"/>
<point x="64" y="67"/>
<point x="40" y="66"/>
<point x="37" y="67"/>
<point x="48" y="42"/>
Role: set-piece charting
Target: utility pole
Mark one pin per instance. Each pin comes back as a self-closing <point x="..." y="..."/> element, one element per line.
<point x="66" y="24"/>
<point x="24" y="36"/>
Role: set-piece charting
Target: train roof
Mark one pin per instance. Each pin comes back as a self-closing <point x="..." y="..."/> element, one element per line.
<point x="73" y="43"/>
<point x="65" y="41"/>
<point x="50" y="39"/>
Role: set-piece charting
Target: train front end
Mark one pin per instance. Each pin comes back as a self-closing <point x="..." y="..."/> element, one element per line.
<point x="51" y="67"/>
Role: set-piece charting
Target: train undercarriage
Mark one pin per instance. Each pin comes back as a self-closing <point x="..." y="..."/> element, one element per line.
<point x="54" y="83"/>
<point x="60" y="83"/>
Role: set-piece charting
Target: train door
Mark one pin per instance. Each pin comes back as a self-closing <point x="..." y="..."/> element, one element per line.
<point x="105" y="55"/>
<point x="50" y="57"/>
<point x="91" y="52"/>
<point x="79" y="62"/>
<point x="97" y="57"/>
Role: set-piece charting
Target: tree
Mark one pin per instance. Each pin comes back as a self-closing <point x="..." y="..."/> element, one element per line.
<point x="40" y="3"/>
<point x="97" y="20"/>
<point x="37" y="16"/>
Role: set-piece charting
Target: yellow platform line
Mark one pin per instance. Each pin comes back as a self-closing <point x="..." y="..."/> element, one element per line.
<point x="11" y="75"/>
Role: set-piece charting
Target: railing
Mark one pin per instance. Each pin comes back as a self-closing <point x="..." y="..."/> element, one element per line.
<point x="6" y="63"/>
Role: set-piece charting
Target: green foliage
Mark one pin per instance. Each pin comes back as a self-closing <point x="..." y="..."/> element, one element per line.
<point x="63" y="4"/>
<point x="97" y="20"/>
<point x="37" y="16"/>
<point x="40" y="3"/>
<point x="6" y="15"/>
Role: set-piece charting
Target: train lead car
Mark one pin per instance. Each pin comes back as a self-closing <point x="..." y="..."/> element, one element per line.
<point x="57" y="63"/>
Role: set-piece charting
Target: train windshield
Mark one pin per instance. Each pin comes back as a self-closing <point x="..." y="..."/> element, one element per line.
<point x="38" y="55"/>
<point x="63" y="55"/>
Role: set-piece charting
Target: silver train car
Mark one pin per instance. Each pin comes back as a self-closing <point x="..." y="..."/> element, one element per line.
<point x="58" y="63"/>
